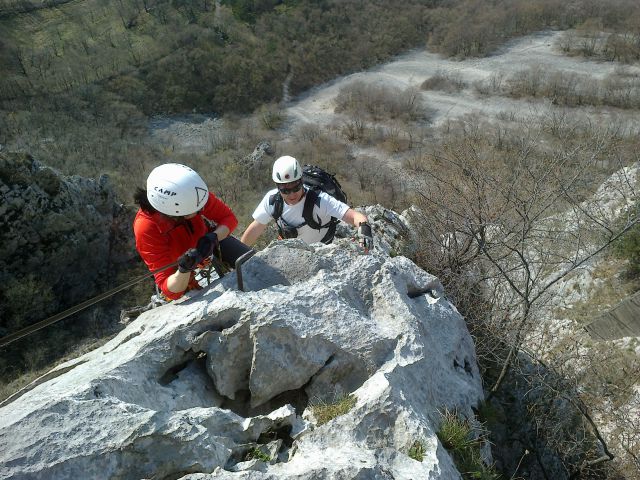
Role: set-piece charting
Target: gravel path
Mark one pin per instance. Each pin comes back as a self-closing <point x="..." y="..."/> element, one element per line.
<point x="197" y="133"/>
<point x="411" y="69"/>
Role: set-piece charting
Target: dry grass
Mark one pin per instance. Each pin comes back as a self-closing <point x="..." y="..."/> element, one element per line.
<point x="607" y="289"/>
<point x="325" y="411"/>
<point x="446" y="82"/>
<point x="590" y="41"/>
<point x="619" y="89"/>
<point x="379" y="102"/>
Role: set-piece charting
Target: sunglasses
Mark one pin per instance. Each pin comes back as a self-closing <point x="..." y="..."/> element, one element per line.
<point x="294" y="189"/>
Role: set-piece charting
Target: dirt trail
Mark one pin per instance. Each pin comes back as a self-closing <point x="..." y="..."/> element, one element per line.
<point x="197" y="133"/>
<point x="411" y="69"/>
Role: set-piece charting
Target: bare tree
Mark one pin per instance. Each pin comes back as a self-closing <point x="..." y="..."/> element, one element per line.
<point x="505" y="227"/>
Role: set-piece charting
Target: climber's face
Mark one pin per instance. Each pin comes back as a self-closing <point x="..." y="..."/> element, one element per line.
<point x="291" y="192"/>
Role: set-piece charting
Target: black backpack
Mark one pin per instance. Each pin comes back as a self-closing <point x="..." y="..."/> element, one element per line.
<point x="317" y="180"/>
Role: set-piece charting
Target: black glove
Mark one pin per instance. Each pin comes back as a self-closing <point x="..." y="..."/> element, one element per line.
<point x="365" y="236"/>
<point x="189" y="260"/>
<point x="207" y="244"/>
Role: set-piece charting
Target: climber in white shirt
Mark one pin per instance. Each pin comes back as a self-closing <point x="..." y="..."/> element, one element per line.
<point x="289" y="210"/>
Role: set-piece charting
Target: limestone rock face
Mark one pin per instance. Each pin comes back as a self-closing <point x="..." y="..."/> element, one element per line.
<point x="51" y="225"/>
<point x="194" y="388"/>
<point x="393" y="233"/>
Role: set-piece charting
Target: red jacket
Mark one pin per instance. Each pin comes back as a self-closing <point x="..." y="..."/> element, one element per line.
<point x="161" y="240"/>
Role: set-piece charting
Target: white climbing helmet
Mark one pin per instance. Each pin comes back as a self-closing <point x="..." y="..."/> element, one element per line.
<point x="286" y="169"/>
<point x="176" y="190"/>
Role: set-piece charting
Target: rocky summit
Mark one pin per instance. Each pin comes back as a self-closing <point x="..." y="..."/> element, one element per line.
<point x="230" y="384"/>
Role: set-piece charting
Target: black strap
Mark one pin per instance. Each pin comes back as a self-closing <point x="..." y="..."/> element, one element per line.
<point x="328" y="237"/>
<point x="277" y="203"/>
<point x="311" y="199"/>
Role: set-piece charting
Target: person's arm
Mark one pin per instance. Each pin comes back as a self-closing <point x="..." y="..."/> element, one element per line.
<point x="220" y="213"/>
<point x="154" y="250"/>
<point x="262" y="215"/>
<point x="253" y="232"/>
<point x="222" y="231"/>
<point x="354" y="218"/>
<point x="178" y="281"/>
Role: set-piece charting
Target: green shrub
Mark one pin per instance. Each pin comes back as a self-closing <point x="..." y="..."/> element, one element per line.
<point x="416" y="451"/>
<point x="455" y="432"/>
<point x="258" y="454"/>
<point x="27" y="299"/>
<point x="457" y="437"/>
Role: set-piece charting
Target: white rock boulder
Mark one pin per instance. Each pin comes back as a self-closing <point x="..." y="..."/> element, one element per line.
<point x="188" y="390"/>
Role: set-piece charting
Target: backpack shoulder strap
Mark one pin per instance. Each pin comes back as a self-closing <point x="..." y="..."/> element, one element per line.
<point x="276" y="202"/>
<point x="311" y="200"/>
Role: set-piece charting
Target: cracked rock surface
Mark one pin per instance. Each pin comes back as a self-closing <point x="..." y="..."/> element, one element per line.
<point x="223" y="384"/>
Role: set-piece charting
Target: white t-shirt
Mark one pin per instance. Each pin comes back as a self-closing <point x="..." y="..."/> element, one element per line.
<point x="292" y="214"/>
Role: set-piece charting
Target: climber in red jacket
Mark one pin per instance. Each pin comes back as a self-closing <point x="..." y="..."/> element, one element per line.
<point x="180" y="220"/>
